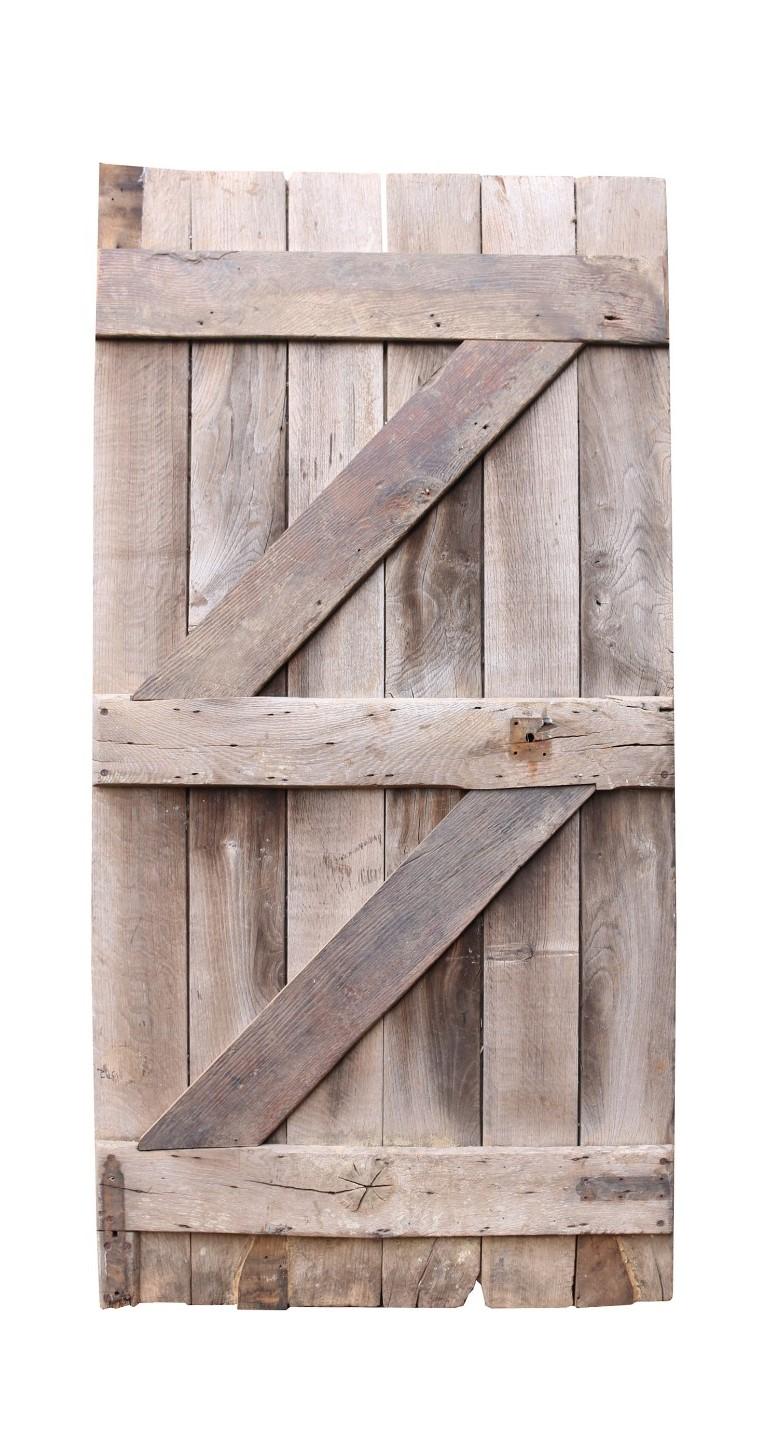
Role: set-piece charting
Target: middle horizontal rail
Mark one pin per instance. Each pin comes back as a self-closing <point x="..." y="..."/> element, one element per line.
<point x="263" y="741"/>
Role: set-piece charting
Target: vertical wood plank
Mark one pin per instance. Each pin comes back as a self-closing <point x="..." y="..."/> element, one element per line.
<point x="139" y="898"/>
<point x="432" y="1085"/>
<point x="120" y="205"/>
<point x="335" y="839"/>
<point x="627" y="850"/>
<point x="531" y="624"/>
<point x="237" y="836"/>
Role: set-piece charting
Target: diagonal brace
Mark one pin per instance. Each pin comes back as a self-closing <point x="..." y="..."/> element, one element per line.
<point x="403" y="928"/>
<point x="399" y="475"/>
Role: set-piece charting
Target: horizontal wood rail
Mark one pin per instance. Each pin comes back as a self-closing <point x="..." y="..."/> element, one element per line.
<point x="379" y="295"/>
<point x="342" y="1190"/>
<point x="264" y="741"/>
<point x="380" y="952"/>
<point x="389" y="485"/>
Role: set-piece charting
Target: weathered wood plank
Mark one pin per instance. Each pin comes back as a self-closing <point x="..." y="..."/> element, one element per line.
<point x="378" y="954"/>
<point x="263" y="1277"/>
<point x="617" y="1271"/>
<point x="386" y="1191"/>
<point x="121" y="192"/>
<point x="531" y="580"/>
<point x="351" y="524"/>
<point x="334" y="850"/>
<point x="238" y="405"/>
<point x="406" y="742"/>
<point x="626" y="1084"/>
<point x="432" y="1038"/>
<point x="236" y="839"/>
<point x="139" y="841"/>
<point x="241" y="294"/>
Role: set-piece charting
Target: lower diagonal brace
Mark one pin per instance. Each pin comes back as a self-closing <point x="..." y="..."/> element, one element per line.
<point x="403" y="928"/>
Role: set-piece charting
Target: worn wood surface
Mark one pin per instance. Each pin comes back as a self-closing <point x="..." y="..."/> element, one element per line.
<point x="335" y="852"/>
<point x="627" y="1009"/>
<point x="347" y="527"/>
<point x="432" y="1078"/>
<point x="209" y="423"/>
<point x="121" y="192"/>
<point x="399" y="932"/>
<point x="407" y="742"/>
<point x="139" y="837"/>
<point x="240" y="294"/>
<point x="531" y="575"/>
<point x="263" y="1276"/>
<point x="390" y="1191"/>
<point x="236" y="838"/>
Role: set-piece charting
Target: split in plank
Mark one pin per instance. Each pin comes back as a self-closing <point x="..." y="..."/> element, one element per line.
<point x="358" y="518"/>
<point x="402" y="929"/>
<point x="267" y="741"/>
<point x="379" y="295"/>
<point x="342" y="1190"/>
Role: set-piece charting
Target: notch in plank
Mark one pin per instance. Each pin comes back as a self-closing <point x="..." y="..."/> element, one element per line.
<point x="379" y="954"/>
<point x="399" y="475"/>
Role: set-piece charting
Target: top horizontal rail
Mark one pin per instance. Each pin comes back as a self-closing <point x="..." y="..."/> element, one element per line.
<point x="144" y="294"/>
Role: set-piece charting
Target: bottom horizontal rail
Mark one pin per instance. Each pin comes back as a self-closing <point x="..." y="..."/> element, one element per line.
<point x="393" y="1191"/>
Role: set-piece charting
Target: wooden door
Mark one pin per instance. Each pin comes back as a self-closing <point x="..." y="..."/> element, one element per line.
<point x="383" y="741"/>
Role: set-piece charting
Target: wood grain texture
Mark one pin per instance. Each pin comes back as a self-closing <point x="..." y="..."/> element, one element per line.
<point x="531" y="583"/>
<point x="139" y="837"/>
<point x="239" y="294"/>
<point x="391" y="1191"/>
<point x="236" y="839"/>
<point x="121" y="190"/>
<point x="263" y="1277"/>
<point x="370" y="963"/>
<point x="473" y="742"/>
<point x="628" y="847"/>
<point x="617" y="1271"/>
<point x="432" y="1038"/>
<point x="237" y="474"/>
<point x="347" y="527"/>
<point x="569" y="570"/>
<point x="335" y="851"/>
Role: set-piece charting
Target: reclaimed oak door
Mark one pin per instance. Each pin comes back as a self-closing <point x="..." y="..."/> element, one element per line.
<point x="383" y="741"/>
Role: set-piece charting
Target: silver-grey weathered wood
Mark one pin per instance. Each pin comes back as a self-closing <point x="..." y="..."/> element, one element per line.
<point x="373" y="296"/>
<point x="532" y="644"/>
<point x="627" y="849"/>
<point x="139" y="837"/>
<point x="236" y="839"/>
<point x="370" y="963"/>
<point x="433" y="613"/>
<point x="473" y="742"/>
<point x="347" y="528"/>
<point x="373" y="1191"/>
<point x="334" y="839"/>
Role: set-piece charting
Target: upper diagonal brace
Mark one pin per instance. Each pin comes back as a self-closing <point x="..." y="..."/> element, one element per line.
<point x="357" y="519"/>
<point x="402" y="929"/>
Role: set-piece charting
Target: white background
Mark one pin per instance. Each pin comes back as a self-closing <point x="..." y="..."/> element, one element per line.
<point x="655" y="89"/>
